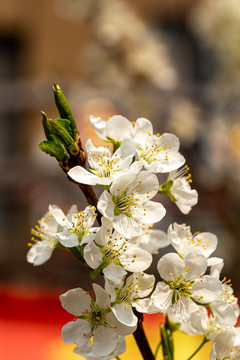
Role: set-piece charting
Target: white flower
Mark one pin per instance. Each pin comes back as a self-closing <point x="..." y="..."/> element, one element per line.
<point x="204" y="324"/>
<point x="184" y="241"/>
<point x="151" y="239"/>
<point x="183" y="284"/>
<point x="158" y="153"/>
<point x="95" y="321"/>
<point x="87" y="350"/>
<point x="44" y="238"/>
<point x="77" y="225"/>
<point x="115" y="253"/>
<point x="226" y="345"/>
<point x="225" y="308"/>
<point x="103" y="166"/>
<point x="128" y="203"/>
<point x="116" y="127"/>
<point x="185" y="197"/>
<point x="216" y="264"/>
<point x="127" y="293"/>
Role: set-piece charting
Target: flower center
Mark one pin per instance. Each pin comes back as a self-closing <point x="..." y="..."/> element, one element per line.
<point x="44" y="232"/>
<point x="114" y="248"/>
<point x="126" y="201"/>
<point x="230" y="353"/>
<point x="181" y="287"/>
<point x="103" y="166"/>
<point x="151" y="152"/>
<point x="81" y="222"/>
<point x="95" y="316"/>
<point x="127" y="293"/>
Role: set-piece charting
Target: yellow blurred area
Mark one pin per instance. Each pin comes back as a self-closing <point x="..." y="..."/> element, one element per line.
<point x="185" y="345"/>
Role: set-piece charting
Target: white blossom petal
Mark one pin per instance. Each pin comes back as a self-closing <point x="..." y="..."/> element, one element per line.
<point x="135" y="259"/>
<point x="207" y="289"/>
<point x="114" y="273"/>
<point x="102" y="297"/>
<point x="40" y="252"/>
<point x="124" y="314"/>
<point x="105" y="205"/>
<point x="67" y="238"/>
<point x="82" y="176"/>
<point x="75" y="301"/>
<point x="76" y="332"/>
<point x="92" y="255"/>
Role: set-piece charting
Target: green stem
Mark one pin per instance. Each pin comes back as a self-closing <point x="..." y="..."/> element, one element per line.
<point x="205" y="340"/>
<point x="118" y="358"/>
<point x="166" y="339"/>
<point x="157" y="349"/>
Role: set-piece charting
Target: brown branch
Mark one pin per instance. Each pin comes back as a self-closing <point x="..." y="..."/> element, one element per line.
<point x="141" y="339"/>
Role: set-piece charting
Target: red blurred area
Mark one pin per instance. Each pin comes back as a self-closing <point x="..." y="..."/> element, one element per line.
<point x="31" y="319"/>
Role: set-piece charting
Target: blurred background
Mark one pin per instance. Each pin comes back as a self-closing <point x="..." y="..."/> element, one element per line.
<point x="176" y="63"/>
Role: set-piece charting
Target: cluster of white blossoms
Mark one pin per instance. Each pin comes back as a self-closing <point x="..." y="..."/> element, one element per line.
<point x="190" y="292"/>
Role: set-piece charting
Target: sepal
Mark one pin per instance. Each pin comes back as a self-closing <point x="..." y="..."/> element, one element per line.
<point x="116" y="144"/>
<point x="166" y="190"/>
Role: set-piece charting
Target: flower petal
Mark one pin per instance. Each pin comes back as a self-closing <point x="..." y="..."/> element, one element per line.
<point x="124" y="314"/>
<point x="40" y="252"/>
<point x="92" y="255"/>
<point x="105" y="341"/>
<point x="118" y="127"/>
<point x="170" y="266"/>
<point x="59" y="215"/>
<point x="135" y="259"/>
<point x="127" y="226"/>
<point x="207" y="289"/>
<point x="68" y="239"/>
<point x="105" y="205"/>
<point x="76" y="332"/>
<point x="82" y="176"/>
<point x="152" y="212"/>
<point x="114" y="273"/>
<point x="162" y="296"/>
<point x="99" y="126"/>
<point x="75" y="301"/>
<point x="102" y="297"/>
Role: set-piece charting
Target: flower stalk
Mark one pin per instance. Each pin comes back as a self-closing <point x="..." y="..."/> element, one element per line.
<point x="205" y="340"/>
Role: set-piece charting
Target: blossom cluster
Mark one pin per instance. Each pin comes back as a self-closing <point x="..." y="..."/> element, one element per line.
<point x="190" y="292"/>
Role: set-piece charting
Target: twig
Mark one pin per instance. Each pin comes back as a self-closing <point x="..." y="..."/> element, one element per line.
<point x="141" y="339"/>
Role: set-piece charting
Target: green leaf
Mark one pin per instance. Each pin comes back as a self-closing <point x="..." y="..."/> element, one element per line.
<point x="64" y="109"/>
<point x="54" y="149"/>
<point x="64" y="123"/>
<point x="65" y="138"/>
<point x="46" y="126"/>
